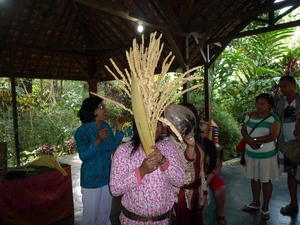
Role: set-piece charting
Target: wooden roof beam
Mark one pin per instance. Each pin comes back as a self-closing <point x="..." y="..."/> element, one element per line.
<point x="200" y="44"/>
<point x="257" y="31"/>
<point x="175" y="48"/>
<point x="171" y="17"/>
<point x="82" y="25"/>
<point x="188" y="13"/>
<point x="62" y="48"/>
<point x="83" y="70"/>
<point x="243" y="15"/>
<point x="5" y="64"/>
<point x="117" y="11"/>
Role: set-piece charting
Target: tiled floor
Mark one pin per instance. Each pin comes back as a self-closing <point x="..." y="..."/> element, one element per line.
<point x="238" y="194"/>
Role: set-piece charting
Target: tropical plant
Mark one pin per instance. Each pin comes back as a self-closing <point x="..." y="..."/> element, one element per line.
<point x="41" y="120"/>
<point x="229" y="132"/>
<point x="257" y="67"/>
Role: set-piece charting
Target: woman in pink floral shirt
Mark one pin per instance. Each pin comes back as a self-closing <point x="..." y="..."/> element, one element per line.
<point x="146" y="181"/>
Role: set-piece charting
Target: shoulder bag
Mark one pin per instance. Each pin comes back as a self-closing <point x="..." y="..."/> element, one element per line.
<point x="291" y="150"/>
<point x="242" y="161"/>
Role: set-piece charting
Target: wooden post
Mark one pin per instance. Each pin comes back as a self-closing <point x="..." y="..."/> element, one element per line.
<point x="3" y="158"/>
<point x="92" y="86"/>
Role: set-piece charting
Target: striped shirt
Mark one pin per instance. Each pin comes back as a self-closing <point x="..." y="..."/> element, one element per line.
<point x="268" y="149"/>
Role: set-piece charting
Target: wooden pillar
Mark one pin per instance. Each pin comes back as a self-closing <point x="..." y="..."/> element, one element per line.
<point x="207" y="86"/>
<point x="92" y="86"/>
<point x="15" y="118"/>
<point x="186" y="96"/>
<point x="3" y="158"/>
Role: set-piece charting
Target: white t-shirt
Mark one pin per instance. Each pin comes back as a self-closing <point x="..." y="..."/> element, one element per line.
<point x="289" y="121"/>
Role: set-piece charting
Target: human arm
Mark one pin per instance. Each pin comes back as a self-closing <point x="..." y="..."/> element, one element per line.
<point x="119" y="124"/>
<point x="173" y="171"/>
<point x="124" y="174"/>
<point x="245" y="134"/>
<point x="85" y="137"/>
<point x="102" y="134"/>
<point x="215" y="171"/>
<point x="114" y="139"/>
<point x="296" y="132"/>
<point x="249" y="140"/>
<point x="273" y="134"/>
<point x="274" y="131"/>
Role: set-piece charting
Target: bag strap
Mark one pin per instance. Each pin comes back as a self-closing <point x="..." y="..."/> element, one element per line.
<point x="259" y="122"/>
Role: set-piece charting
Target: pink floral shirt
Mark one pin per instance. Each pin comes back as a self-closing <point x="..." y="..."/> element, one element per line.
<point x="153" y="195"/>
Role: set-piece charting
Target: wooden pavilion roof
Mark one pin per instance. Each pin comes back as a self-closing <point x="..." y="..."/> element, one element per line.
<point x="75" y="39"/>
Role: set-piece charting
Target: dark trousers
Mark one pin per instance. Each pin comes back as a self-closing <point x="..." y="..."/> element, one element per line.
<point x="116" y="208"/>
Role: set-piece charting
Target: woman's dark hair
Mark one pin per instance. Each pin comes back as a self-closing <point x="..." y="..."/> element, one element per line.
<point x="267" y="97"/>
<point x="89" y="105"/>
<point x="197" y="130"/>
<point x="136" y="138"/>
<point x="288" y="78"/>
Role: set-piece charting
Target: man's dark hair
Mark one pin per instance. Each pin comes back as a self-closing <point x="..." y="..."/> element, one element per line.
<point x="288" y="78"/>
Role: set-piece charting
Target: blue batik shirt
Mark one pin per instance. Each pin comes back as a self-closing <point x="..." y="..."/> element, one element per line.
<point x="96" y="160"/>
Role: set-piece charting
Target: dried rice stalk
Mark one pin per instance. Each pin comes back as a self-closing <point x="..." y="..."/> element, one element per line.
<point x="150" y="95"/>
<point x="48" y="161"/>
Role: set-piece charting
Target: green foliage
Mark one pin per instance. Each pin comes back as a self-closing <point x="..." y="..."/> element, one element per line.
<point x="291" y="62"/>
<point x="52" y="126"/>
<point x="41" y="119"/>
<point x="229" y="132"/>
<point x="257" y="66"/>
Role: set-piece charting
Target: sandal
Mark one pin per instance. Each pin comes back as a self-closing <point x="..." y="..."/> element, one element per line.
<point x="265" y="215"/>
<point x="250" y="208"/>
<point x="221" y="218"/>
<point x="288" y="210"/>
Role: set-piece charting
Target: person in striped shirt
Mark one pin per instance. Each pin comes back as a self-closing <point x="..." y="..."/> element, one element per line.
<point x="260" y="152"/>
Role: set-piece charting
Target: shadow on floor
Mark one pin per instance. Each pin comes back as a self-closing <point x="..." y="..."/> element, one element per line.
<point x="238" y="195"/>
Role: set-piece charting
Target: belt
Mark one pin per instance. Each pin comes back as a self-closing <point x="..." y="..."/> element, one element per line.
<point x="133" y="216"/>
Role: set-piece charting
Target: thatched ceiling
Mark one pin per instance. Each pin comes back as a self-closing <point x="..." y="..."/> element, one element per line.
<point x="74" y="39"/>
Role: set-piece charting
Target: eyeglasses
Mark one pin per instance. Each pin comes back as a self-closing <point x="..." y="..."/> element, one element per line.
<point x="101" y="107"/>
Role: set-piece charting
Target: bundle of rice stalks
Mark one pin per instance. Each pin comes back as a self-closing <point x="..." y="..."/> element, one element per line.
<point x="150" y="95"/>
<point x="48" y="161"/>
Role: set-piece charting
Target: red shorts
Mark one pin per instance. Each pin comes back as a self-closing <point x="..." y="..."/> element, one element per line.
<point x="216" y="182"/>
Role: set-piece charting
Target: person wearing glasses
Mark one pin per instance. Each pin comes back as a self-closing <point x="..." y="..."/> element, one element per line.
<point x="287" y="108"/>
<point x="95" y="143"/>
